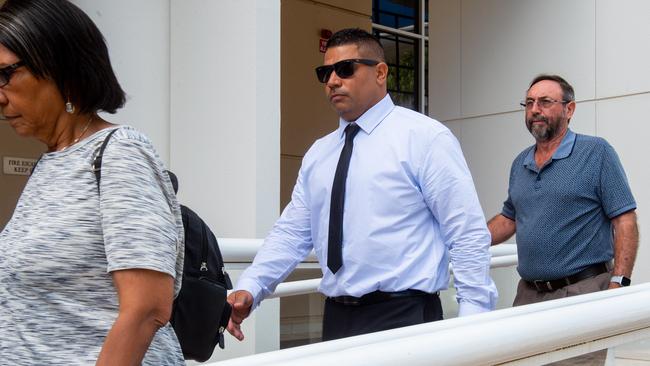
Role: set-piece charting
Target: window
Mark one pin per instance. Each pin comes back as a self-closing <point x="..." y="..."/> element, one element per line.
<point x="401" y="26"/>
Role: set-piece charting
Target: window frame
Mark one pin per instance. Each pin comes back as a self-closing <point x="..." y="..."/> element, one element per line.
<point x="421" y="40"/>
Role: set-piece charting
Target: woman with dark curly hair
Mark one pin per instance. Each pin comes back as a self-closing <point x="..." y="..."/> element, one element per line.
<point x="88" y="269"/>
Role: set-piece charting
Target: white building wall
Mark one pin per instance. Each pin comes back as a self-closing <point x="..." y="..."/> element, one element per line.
<point x="484" y="54"/>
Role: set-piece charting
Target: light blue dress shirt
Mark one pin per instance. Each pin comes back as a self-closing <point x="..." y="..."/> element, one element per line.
<point x="410" y="209"/>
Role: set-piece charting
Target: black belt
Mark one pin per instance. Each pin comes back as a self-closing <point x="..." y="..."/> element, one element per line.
<point x="376" y="297"/>
<point x="552" y="285"/>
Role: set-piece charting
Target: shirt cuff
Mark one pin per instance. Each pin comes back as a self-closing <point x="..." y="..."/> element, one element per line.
<point x="466" y="308"/>
<point x="252" y="287"/>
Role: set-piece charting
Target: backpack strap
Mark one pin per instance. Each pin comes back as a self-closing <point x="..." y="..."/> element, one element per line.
<point x="97" y="163"/>
<point x="35" y="164"/>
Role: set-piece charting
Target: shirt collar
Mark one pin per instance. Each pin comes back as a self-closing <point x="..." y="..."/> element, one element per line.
<point x="563" y="151"/>
<point x="370" y="118"/>
<point x="566" y="146"/>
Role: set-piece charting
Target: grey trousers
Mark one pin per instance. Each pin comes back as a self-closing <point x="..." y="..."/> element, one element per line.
<point x="527" y="294"/>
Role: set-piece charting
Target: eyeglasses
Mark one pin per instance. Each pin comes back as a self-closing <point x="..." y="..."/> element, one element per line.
<point x="7" y="71"/>
<point x="543" y="103"/>
<point x="344" y="69"/>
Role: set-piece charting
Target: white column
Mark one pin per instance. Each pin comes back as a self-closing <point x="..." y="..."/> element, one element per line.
<point x="225" y="129"/>
<point x="137" y="34"/>
<point x="225" y="112"/>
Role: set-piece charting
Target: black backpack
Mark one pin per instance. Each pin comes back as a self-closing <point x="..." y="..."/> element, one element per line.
<point x="200" y="313"/>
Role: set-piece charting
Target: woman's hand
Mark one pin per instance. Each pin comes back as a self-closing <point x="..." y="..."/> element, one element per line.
<point x="146" y="299"/>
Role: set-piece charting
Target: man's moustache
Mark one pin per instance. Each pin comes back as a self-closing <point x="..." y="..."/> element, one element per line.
<point x="538" y="118"/>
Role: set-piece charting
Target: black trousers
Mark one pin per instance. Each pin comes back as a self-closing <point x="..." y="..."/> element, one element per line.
<point x="340" y="321"/>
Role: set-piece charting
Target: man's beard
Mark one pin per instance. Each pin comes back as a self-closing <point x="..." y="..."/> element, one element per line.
<point x="543" y="132"/>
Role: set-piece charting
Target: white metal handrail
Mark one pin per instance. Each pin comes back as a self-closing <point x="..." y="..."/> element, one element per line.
<point x="333" y="346"/>
<point x="238" y="250"/>
<point x="538" y="332"/>
<point x="310" y="286"/>
<point x="294" y="288"/>
<point x="503" y="261"/>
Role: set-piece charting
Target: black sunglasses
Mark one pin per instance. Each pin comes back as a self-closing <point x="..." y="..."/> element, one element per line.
<point x="7" y="71"/>
<point x="344" y="69"/>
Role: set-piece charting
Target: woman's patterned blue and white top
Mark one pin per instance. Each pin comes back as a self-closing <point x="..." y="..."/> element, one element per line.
<point x="57" y="298"/>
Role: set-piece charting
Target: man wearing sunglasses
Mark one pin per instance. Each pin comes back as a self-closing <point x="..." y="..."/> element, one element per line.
<point x="569" y="203"/>
<point x="386" y="201"/>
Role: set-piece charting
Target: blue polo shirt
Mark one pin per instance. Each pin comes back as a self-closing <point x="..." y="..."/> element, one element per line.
<point x="563" y="211"/>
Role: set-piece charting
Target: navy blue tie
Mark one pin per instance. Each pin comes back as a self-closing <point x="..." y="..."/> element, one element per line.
<point x="335" y="238"/>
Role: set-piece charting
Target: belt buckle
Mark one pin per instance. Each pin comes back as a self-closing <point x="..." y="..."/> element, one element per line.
<point x="543" y="285"/>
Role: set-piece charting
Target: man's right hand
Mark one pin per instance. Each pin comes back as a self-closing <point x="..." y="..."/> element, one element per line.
<point x="241" y="302"/>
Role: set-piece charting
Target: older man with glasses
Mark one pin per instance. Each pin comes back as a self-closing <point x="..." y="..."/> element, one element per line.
<point x="386" y="201"/>
<point x="570" y="205"/>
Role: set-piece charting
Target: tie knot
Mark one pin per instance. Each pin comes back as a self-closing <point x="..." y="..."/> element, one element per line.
<point x="351" y="130"/>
